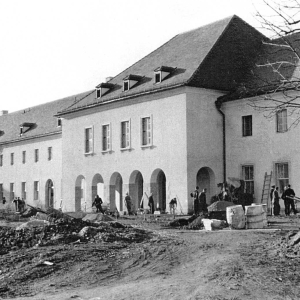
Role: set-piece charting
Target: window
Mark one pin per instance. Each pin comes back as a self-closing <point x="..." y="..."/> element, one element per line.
<point x="126" y="85"/>
<point x="36" y="155"/>
<point x="49" y="153"/>
<point x="125" y="135"/>
<point x="88" y="140"/>
<point x="248" y="176"/>
<point x="98" y="93"/>
<point x="23" y="157"/>
<point x="146" y="131"/>
<point x="1" y="191"/>
<point x="281" y="120"/>
<point x="12" y="191"/>
<point x="1" y="160"/>
<point x="23" y="190"/>
<point x="58" y="122"/>
<point x="282" y="175"/>
<point x="106" y="144"/>
<point x="157" y="77"/>
<point x="36" y="188"/>
<point x="247" y="125"/>
<point x="12" y="156"/>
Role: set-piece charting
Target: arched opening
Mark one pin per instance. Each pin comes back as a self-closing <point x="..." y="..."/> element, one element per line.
<point x="206" y="179"/>
<point x="49" y="197"/>
<point x="158" y="188"/>
<point x="97" y="187"/>
<point x="136" y="188"/>
<point x="80" y="194"/>
<point x="115" y="192"/>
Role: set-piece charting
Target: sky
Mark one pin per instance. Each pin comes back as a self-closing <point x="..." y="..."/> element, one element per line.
<point x="51" y="49"/>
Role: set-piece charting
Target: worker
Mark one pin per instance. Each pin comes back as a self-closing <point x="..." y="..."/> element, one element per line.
<point x="290" y="194"/>
<point x="271" y="198"/>
<point x="195" y="195"/>
<point x="3" y="200"/>
<point x="276" y="207"/>
<point x="98" y="204"/>
<point x="202" y="200"/>
<point x="128" y="203"/>
<point x="151" y="203"/>
<point x="173" y="205"/>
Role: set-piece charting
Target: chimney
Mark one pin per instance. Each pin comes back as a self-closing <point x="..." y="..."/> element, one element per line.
<point x="107" y="79"/>
<point x="3" y="112"/>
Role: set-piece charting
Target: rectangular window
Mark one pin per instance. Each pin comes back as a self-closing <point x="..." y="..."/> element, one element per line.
<point x="157" y="77"/>
<point x="58" y="122"/>
<point x="98" y="93"/>
<point x="1" y="191"/>
<point x="281" y="120"/>
<point x="36" y="155"/>
<point x="12" y="156"/>
<point x="125" y="86"/>
<point x="49" y="153"/>
<point x="88" y="140"/>
<point x="282" y="175"/>
<point x="23" y="193"/>
<point x="247" y="125"/>
<point x="36" y="188"/>
<point x="248" y="176"/>
<point x="1" y="160"/>
<point x="23" y="157"/>
<point x="12" y="191"/>
<point x="106" y="145"/>
<point x="146" y="131"/>
<point x="125" y="134"/>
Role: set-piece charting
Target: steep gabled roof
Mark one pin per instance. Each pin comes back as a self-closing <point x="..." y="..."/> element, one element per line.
<point x="41" y="116"/>
<point x="186" y="52"/>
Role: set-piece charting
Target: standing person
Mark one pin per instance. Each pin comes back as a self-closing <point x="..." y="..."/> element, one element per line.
<point x="3" y="200"/>
<point x="286" y="202"/>
<point x="151" y="203"/>
<point x="128" y="203"/>
<point x="16" y="203"/>
<point x="276" y="208"/>
<point x="98" y="204"/>
<point x="173" y="206"/>
<point x="289" y="194"/>
<point x="202" y="200"/>
<point x="195" y="195"/>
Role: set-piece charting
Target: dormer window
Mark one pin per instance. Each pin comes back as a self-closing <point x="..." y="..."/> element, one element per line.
<point x="130" y="81"/>
<point x="26" y="127"/>
<point x="162" y="72"/>
<point x="58" y="122"/>
<point x="103" y="88"/>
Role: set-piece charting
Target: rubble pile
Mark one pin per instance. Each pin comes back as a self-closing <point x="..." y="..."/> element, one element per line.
<point x="66" y="232"/>
<point x="217" y="210"/>
<point x="289" y="246"/>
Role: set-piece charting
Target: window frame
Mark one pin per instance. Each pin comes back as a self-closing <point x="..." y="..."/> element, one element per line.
<point x="245" y="124"/>
<point x="249" y="183"/>
<point x="23" y="190"/>
<point x="157" y="74"/>
<point x="281" y="182"/>
<point x="126" y="84"/>
<point x="90" y="140"/>
<point x="24" y="157"/>
<point x="11" y="191"/>
<point x="108" y="142"/>
<point x="1" y="191"/>
<point x="36" y="190"/>
<point x="12" y="158"/>
<point x="281" y="121"/>
<point x="1" y="160"/>
<point x="36" y="155"/>
<point x="50" y="153"/>
<point x="127" y="135"/>
<point x="149" y="135"/>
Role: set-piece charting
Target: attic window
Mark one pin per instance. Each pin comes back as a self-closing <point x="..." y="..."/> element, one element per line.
<point x="103" y="88"/>
<point x="130" y="81"/>
<point x="58" y="122"/>
<point x="24" y="127"/>
<point x="162" y="72"/>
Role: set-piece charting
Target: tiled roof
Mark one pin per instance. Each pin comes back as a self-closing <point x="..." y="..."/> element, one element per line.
<point x="186" y="52"/>
<point x="42" y="116"/>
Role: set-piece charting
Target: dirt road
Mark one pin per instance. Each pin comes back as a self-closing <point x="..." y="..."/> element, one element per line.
<point x="168" y="264"/>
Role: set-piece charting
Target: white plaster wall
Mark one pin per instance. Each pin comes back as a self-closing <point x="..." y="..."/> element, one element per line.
<point x="32" y="171"/>
<point x="263" y="149"/>
<point x="168" y="152"/>
<point x="204" y="139"/>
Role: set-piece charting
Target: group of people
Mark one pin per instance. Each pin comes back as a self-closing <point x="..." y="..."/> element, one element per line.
<point x="129" y="205"/>
<point x="19" y="204"/>
<point x="287" y="196"/>
<point x="200" y="204"/>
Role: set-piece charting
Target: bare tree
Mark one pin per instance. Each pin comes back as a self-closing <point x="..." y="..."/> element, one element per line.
<point x="277" y="72"/>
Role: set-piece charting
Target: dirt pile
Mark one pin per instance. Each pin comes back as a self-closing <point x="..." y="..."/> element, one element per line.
<point x="219" y="206"/>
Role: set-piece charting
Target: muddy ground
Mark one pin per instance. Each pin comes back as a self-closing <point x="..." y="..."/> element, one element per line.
<point x="150" y="260"/>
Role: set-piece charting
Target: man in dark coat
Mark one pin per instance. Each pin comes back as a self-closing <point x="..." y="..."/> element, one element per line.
<point x="202" y="200"/>
<point x="195" y="195"/>
<point x="276" y="209"/>
<point x="98" y="204"/>
<point x="289" y="194"/>
<point x="128" y="203"/>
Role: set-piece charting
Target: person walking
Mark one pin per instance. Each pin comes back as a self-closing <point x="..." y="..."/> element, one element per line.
<point x="98" y="204"/>
<point x="290" y="194"/>
<point x="128" y="203"/>
<point x="195" y="195"/>
<point x="151" y="203"/>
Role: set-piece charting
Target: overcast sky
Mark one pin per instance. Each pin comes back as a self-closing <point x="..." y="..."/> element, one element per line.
<point x="51" y="49"/>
